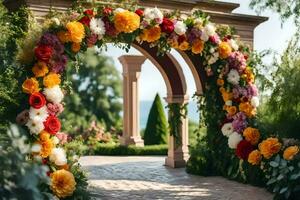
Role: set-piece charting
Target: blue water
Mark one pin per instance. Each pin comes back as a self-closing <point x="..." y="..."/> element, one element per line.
<point x="146" y="105"/>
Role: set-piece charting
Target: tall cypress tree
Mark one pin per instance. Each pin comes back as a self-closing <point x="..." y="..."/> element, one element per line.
<point x="156" y="129"/>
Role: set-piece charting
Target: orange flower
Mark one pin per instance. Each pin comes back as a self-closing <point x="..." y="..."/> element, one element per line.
<point x="247" y="109"/>
<point x="63" y="36"/>
<point x="222" y="89"/>
<point x="231" y="110"/>
<point x="126" y="21"/>
<point x="75" y="47"/>
<point x="51" y="80"/>
<point x="173" y="43"/>
<point x="197" y="46"/>
<point x="290" y="152"/>
<point x="62" y="183"/>
<point x="248" y="75"/>
<point x="269" y="147"/>
<point x="47" y="146"/>
<point x="183" y="46"/>
<point x="30" y="86"/>
<point x="224" y="50"/>
<point x="151" y="34"/>
<point x="220" y="82"/>
<point x="254" y="157"/>
<point x="227" y="96"/>
<point x="252" y="135"/>
<point x="40" y="69"/>
<point x="44" y="135"/>
<point x="76" y="31"/>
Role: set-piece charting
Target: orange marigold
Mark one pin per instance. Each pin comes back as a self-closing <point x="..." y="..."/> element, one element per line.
<point x="76" y="47"/>
<point x="254" y="157"/>
<point x="44" y="135"/>
<point x="51" y="80"/>
<point x="252" y="135"/>
<point x="269" y="147"/>
<point x="247" y="109"/>
<point x="151" y="34"/>
<point x="290" y="152"/>
<point x="227" y="96"/>
<point x="47" y="146"/>
<point x="62" y="183"/>
<point x="231" y="110"/>
<point x="220" y="82"/>
<point x="224" y="50"/>
<point x="183" y="46"/>
<point x="76" y="31"/>
<point x="126" y="21"/>
<point x="248" y="75"/>
<point x="64" y="36"/>
<point x="30" y="85"/>
<point x="173" y="43"/>
<point x="40" y="69"/>
<point x="198" y="46"/>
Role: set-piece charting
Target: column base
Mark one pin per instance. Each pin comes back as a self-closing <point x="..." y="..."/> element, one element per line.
<point x="135" y="141"/>
<point x="171" y="162"/>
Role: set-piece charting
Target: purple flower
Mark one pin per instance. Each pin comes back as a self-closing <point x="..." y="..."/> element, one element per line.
<point x="252" y="91"/>
<point x="239" y="122"/>
<point x="52" y="40"/>
<point x="193" y="34"/>
<point x="238" y="91"/>
<point x="58" y="63"/>
<point x="237" y="61"/>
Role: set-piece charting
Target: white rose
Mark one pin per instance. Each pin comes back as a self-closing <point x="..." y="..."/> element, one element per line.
<point x="58" y="156"/>
<point x="233" y="44"/>
<point x="153" y="14"/>
<point x="234" y="139"/>
<point x="54" y="94"/>
<point x="255" y="101"/>
<point x="233" y="77"/>
<point x="180" y="28"/>
<point x="227" y="129"/>
<point x="209" y="30"/>
<point x="55" y="140"/>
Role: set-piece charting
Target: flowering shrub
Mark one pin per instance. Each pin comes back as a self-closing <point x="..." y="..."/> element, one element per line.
<point x="224" y="58"/>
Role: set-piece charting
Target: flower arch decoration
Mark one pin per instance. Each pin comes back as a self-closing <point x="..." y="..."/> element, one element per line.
<point x="63" y="38"/>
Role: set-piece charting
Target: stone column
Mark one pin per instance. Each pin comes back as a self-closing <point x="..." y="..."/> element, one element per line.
<point x="131" y="124"/>
<point x="178" y="154"/>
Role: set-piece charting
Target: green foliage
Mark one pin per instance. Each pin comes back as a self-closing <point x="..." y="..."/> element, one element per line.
<point x="95" y="95"/>
<point x="156" y="129"/>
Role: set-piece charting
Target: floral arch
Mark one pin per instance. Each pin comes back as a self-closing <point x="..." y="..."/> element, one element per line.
<point x="219" y="61"/>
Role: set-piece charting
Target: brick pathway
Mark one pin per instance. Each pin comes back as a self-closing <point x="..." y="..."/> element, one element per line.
<point x="131" y="178"/>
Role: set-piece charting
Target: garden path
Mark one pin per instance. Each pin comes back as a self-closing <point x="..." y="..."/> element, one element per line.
<point x="145" y="177"/>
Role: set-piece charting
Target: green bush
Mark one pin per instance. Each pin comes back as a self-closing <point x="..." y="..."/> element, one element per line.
<point x="156" y="129"/>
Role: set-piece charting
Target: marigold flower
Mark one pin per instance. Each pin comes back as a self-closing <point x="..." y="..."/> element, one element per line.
<point x="290" y="152"/>
<point x="183" y="46"/>
<point x="51" y="80"/>
<point x="62" y="183"/>
<point x="126" y="21"/>
<point x="76" y="31"/>
<point x="40" y="69"/>
<point x="224" y="50"/>
<point x="248" y="75"/>
<point x="220" y="82"/>
<point x="252" y="135"/>
<point x="254" y="157"/>
<point x="247" y="109"/>
<point x="47" y="146"/>
<point x="231" y="110"/>
<point x="30" y="86"/>
<point x="198" y="46"/>
<point x="75" y="47"/>
<point x="227" y="96"/>
<point x="63" y="36"/>
<point x="269" y="147"/>
<point x="44" y="135"/>
<point x="151" y="34"/>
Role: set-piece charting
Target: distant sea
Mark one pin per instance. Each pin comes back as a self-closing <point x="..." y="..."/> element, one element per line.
<point x="146" y="105"/>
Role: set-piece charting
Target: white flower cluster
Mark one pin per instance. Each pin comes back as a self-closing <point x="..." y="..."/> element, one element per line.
<point x="58" y="156"/>
<point x="209" y="30"/>
<point x="155" y="14"/>
<point x="234" y="138"/>
<point x="180" y="28"/>
<point x="36" y="119"/>
<point x="54" y="94"/>
<point x="97" y="27"/>
<point x="233" y="77"/>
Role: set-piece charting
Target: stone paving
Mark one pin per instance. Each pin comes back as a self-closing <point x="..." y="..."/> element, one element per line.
<point x="145" y="177"/>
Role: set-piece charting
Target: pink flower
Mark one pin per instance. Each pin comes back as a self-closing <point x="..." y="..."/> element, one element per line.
<point x="55" y="109"/>
<point x="63" y="137"/>
<point x="215" y="39"/>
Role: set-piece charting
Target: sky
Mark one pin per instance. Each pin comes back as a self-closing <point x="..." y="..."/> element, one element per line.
<point x="268" y="35"/>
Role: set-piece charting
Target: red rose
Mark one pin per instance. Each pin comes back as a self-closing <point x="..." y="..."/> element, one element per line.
<point x="244" y="148"/>
<point x="107" y="11"/>
<point x="139" y="12"/>
<point x="167" y="26"/>
<point x="85" y="20"/>
<point x="89" y="12"/>
<point x="52" y="125"/>
<point x="37" y="100"/>
<point x="43" y="53"/>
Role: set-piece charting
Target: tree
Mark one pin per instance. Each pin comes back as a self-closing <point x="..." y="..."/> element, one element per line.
<point x="156" y="129"/>
<point x="95" y="95"/>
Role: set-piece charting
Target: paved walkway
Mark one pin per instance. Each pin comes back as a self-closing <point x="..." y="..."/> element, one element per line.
<point x="131" y="178"/>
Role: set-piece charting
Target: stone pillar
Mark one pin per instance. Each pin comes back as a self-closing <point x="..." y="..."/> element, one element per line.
<point x="178" y="154"/>
<point x="131" y="124"/>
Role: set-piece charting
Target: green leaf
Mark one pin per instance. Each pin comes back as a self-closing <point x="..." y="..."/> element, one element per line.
<point x="274" y="164"/>
<point x="283" y="190"/>
<point x="280" y="177"/>
<point x="271" y="181"/>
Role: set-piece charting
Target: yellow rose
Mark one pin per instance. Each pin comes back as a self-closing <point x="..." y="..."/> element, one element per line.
<point x="40" y="69"/>
<point x="62" y="183"/>
<point x="269" y="147"/>
<point x="290" y="152"/>
<point x="76" y="31"/>
<point x="183" y="46"/>
<point x="75" y="47"/>
<point x="51" y="80"/>
<point x="254" y="157"/>
<point x="126" y="21"/>
<point x="224" y="50"/>
<point x="151" y="34"/>
<point x="252" y="135"/>
<point x="197" y="46"/>
<point x="30" y="86"/>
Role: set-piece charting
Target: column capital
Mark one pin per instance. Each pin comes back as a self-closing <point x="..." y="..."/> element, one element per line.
<point x="132" y="63"/>
<point x="177" y="99"/>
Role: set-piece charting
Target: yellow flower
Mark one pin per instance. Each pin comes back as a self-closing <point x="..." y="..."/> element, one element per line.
<point x="126" y="21"/>
<point x="252" y="135"/>
<point x="220" y="82"/>
<point x="248" y="75"/>
<point x="40" y="69"/>
<point x="269" y="147"/>
<point x="76" y="31"/>
<point x="183" y="46"/>
<point x="224" y="50"/>
<point x="47" y="146"/>
<point x="51" y="80"/>
<point x="75" y="47"/>
<point x="290" y="152"/>
<point x="64" y="36"/>
<point x="44" y="135"/>
<point x="30" y="86"/>
<point x="151" y="34"/>
<point x="62" y="183"/>
<point x="197" y="46"/>
<point x="247" y="109"/>
<point x="227" y="96"/>
<point x="254" y="157"/>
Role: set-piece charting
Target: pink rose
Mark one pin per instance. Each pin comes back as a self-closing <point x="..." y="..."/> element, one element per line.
<point x="55" y="109"/>
<point x="63" y="137"/>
